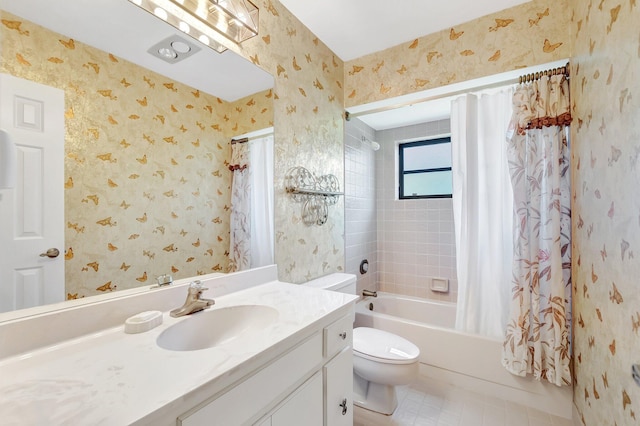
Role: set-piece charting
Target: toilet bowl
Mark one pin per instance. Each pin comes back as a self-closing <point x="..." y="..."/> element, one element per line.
<point x="381" y="360"/>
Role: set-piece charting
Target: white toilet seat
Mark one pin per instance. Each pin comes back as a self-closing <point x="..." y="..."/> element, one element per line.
<point x="384" y="347"/>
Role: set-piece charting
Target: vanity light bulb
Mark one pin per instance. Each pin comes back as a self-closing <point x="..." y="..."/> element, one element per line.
<point x="184" y="27"/>
<point x="160" y="13"/>
<point x="137" y="2"/>
<point x="204" y="39"/>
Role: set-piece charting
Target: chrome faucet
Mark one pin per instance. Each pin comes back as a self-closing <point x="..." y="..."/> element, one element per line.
<point x="366" y="293"/>
<point x="194" y="302"/>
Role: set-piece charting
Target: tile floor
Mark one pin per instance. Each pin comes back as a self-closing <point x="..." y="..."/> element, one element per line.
<point x="433" y="403"/>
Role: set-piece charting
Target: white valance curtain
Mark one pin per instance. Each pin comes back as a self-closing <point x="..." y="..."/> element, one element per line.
<point x="251" y="233"/>
<point x="483" y="211"/>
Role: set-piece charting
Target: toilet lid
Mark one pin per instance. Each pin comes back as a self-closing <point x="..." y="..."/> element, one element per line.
<point x="384" y="347"/>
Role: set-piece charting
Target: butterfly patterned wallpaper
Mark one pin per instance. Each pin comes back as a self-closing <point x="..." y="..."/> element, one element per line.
<point x="147" y="189"/>
<point x="605" y="90"/>
<point x="532" y="33"/>
<point x="309" y="132"/>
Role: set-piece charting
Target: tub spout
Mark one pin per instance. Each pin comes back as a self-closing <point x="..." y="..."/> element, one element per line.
<point x="366" y="293"/>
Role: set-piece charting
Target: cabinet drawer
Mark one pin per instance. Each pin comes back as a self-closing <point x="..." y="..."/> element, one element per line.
<point x="338" y="336"/>
<point x="247" y="399"/>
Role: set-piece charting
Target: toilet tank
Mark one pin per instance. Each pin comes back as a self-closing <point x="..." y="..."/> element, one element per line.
<point x="341" y="282"/>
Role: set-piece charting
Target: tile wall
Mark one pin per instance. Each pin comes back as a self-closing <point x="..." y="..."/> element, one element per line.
<point x="416" y="239"/>
<point x="407" y="242"/>
<point x="360" y="203"/>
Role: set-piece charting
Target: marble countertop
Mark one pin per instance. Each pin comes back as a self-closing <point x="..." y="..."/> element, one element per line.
<point x="109" y="377"/>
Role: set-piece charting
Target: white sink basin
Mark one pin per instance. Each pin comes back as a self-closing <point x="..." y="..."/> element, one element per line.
<point x="215" y="327"/>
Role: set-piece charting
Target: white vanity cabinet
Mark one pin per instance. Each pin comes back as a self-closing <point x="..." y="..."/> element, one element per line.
<point x="310" y="384"/>
<point x="295" y="370"/>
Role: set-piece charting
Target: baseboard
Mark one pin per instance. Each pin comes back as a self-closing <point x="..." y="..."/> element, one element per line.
<point x="557" y="402"/>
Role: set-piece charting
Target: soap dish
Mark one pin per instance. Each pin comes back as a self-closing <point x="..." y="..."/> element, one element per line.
<point x="144" y="321"/>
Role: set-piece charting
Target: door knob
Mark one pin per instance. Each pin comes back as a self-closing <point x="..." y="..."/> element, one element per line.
<point x="51" y="253"/>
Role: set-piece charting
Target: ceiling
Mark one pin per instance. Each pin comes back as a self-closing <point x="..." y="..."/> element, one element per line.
<point x="355" y="28"/>
<point x="121" y="28"/>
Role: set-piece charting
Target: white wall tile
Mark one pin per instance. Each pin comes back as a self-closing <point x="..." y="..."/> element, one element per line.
<point x="410" y="240"/>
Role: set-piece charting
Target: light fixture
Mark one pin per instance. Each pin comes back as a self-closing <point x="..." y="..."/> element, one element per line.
<point x="211" y="22"/>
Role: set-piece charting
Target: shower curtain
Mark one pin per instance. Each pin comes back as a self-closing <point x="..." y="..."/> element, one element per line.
<point x="483" y="211"/>
<point x="251" y="228"/>
<point x="538" y="337"/>
<point x="262" y="220"/>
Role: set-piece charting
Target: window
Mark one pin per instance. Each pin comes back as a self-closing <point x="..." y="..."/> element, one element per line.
<point x="425" y="169"/>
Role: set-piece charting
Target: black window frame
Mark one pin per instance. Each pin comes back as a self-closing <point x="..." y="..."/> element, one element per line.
<point x="402" y="172"/>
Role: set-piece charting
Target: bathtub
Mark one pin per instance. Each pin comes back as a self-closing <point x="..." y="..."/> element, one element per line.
<point x="467" y="360"/>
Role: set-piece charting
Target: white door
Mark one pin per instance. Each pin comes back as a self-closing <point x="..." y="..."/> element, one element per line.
<point x="32" y="213"/>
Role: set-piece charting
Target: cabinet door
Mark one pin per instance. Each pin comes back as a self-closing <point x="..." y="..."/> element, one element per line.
<point x="304" y="406"/>
<point x="247" y="399"/>
<point x="338" y="382"/>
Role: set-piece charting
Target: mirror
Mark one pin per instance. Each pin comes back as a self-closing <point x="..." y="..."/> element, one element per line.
<point x="147" y="143"/>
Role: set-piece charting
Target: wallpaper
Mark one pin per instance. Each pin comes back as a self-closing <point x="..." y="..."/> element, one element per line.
<point x="309" y="126"/>
<point x="606" y="219"/>
<point x="307" y="114"/>
<point x="532" y="33"/>
<point x="147" y="188"/>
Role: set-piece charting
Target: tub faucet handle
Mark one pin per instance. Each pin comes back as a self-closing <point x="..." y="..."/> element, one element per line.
<point x="371" y="293"/>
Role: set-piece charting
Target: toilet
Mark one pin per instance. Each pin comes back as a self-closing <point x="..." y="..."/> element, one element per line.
<point x="381" y="360"/>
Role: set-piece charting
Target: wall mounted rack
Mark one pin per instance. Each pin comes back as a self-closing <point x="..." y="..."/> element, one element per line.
<point x="315" y="193"/>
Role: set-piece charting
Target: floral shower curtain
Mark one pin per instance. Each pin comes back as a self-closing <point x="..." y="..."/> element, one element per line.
<point x="537" y="339"/>
<point x="240" y="237"/>
<point x="252" y="195"/>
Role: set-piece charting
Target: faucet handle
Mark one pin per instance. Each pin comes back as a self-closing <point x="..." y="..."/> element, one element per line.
<point x="197" y="286"/>
<point x="165" y="279"/>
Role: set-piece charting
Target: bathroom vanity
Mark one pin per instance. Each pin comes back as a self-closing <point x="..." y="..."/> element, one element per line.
<point x="267" y="353"/>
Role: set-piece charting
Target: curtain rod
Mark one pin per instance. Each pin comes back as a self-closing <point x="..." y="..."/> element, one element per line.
<point x="494" y="85"/>
<point x="245" y="140"/>
<point x="527" y="78"/>
<point x="349" y="115"/>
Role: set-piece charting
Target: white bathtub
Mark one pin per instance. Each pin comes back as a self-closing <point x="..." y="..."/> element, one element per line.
<point x="467" y="360"/>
